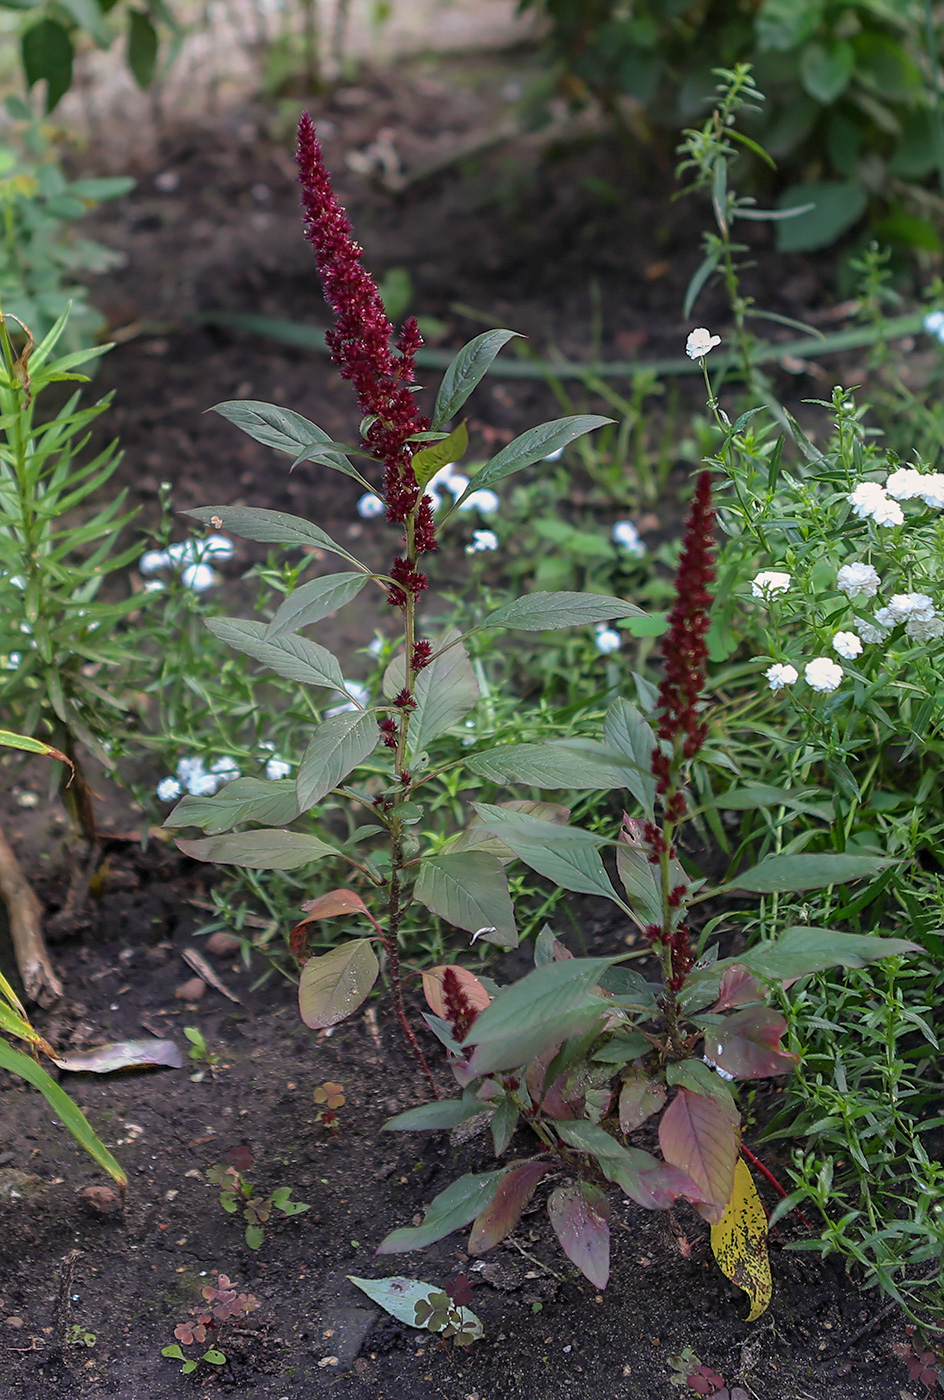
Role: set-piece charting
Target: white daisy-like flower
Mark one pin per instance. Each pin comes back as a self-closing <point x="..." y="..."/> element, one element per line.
<point x="905" y="483"/>
<point x="226" y="769"/>
<point x="823" y="674"/>
<point x="934" y="324"/>
<point x="780" y="675"/>
<point x="192" y="775"/>
<point x="482" y="541"/>
<point x="152" y="560"/>
<point x="484" y="501"/>
<point x="199" y="577"/>
<point x="608" y="640"/>
<point x="858" y="580"/>
<point x="932" y="492"/>
<point x="277" y="768"/>
<point x="768" y="582"/>
<point x="168" y="790"/>
<point x="869" y="633"/>
<point x="626" y="536"/>
<point x="700" y="342"/>
<point x="848" y="645"/>
<point x="924" y="629"/>
<point x="370" y="506"/>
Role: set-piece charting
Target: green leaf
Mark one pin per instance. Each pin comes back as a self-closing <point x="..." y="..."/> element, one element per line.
<point x="337" y="747"/>
<point x="781" y="874"/>
<point x="801" y="950"/>
<point x="445" y="1113"/>
<point x="547" y="1005"/>
<point x="142" y="47"/>
<point x="466" y="371"/>
<point x="47" y="54"/>
<point x="565" y="854"/>
<point x="332" y="987"/>
<point x="255" y="1236"/>
<point x="640" y="1097"/>
<point x="21" y="741"/>
<point x="577" y="765"/>
<point x="271" y="802"/>
<point x="270" y="527"/>
<point x="470" y="891"/>
<point x="286" y="431"/>
<point x="428" y="461"/>
<point x="652" y="1184"/>
<point x="697" y="1076"/>
<point x="403" y="1298"/>
<point x="16" y="1062"/>
<point x="532" y="446"/>
<point x="265" y="849"/>
<point x="295" y="658"/>
<point x="88" y="16"/>
<point x="213" y="1354"/>
<point x="445" y="692"/>
<point x="628" y="733"/>
<point x="542" y="612"/>
<point x="825" y="69"/>
<point x="318" y="598"/>
<point x="641" y="879"/>
<point x="753" y="795"/>
<point x="837" y="205"/>
<point x="451" y="1209"/>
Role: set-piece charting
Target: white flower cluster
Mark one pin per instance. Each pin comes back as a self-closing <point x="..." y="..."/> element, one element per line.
<point x="768" y="582"/>
<point x="626" y="536"/>
<point x="482" y="542"/>
<point x="872" y="501"/>
<point x="199" y="781"/>
<point x="189" y="556"/>
<point x="446" y="479"/>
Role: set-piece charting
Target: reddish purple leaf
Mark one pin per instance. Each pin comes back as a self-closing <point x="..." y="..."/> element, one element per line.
<point x="747" y="1045"/>
<point x="738" y="988"/>
<point x="580" y="1216"/>
<point x="515" y="1190"/>
<point x="640" y="1097"/>
<point x="659" y="1185"/>
<point x="697" y="1136"/>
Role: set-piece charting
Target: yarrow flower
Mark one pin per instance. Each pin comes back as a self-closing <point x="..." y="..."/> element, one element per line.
<point x="482" y="541"/>
<point x="608" y="640"/>
<point x="626" y="536"/>
<point x="780" y="675"/>
<point x="858" y="580"/>
<point x="823" y="674"/>
<point x="869" y="501"/>
<point x="700" y="342"/>
<point x="848" y="645"/>
<point x="769" y="582"/>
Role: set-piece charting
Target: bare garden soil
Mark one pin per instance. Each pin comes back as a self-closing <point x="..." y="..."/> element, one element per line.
<point x="519" y="234"/>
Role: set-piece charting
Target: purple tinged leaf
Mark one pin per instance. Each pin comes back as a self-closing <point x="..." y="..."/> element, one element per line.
<point x="747" y="1045"/>
<point x="122" y="1054"/>
<point x="580" y="1218"/>
<point x="652" y="1184"/>
<point x="640" y="1097"/>
<point x="333" y="986"/>
<point x="515" y="1190"/>
<point x="738" y="988"/>
<point x="697" y="1136"/>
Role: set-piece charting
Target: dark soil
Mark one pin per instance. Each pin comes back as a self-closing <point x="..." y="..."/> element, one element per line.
<point x="521" y="236"/>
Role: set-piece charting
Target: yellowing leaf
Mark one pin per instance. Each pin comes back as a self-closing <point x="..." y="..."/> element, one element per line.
<point x="739" y="1242"/>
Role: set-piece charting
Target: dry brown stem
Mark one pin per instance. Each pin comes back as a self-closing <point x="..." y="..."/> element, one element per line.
<point x="38" y="975"/>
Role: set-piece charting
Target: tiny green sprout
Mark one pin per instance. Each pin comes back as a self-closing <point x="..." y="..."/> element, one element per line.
<point x="221" y="1303"/>
<point x="237" y="1193"/>
<point x="200" y="1053"/>
<point x="79" y="1337"/>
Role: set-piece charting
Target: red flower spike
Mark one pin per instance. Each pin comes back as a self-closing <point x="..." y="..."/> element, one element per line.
<point x="422" y="654"/>
<point x="460" y="1013"/>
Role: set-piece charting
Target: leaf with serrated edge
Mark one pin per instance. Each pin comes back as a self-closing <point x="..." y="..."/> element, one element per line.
<point x="270" y="527"/>
<point x="265" y="849"/>
<point x="739" y="1242"/>
<point x="444" y="692"/>
<point x="567" y="855"/>
<point x="295" y="658"/>
<point x="580" y="1218"/>
<point x="470" y="891"/>
<point x="314" y="600"/>
<point x="544" y="612"/>
<point x="451" y="1209"/>
<point x="515" y="1190"/>
<point x="468" y="368"/>
<point x="333" y="986"/>
<point x="533" y="445"/>
<point x="697" y="1136"/>
<point x="337" y="746"/>
<point x="271" y="801"/>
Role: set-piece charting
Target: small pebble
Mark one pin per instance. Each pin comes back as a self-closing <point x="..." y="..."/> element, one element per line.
<point x="222" y="943"/>
<point x="13" y="1321"/>
<point x="191" y="990"/>
<point x="100" y="1200"/>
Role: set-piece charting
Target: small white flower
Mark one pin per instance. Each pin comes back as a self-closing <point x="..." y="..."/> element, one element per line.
<point x="902" y="606"/>
<point x="768" y="582"/>
<point x="924" y="629"/>
<point x="226" y="769"/>
<point x="822" y="674"/>
<point x="608" y="640"/>
<point x="858" y="580"/>
<point x="934" y="324"/>
<point x="869" y="632"/>
<point x="370" y="506"/>
<point x="155" y="585"/>
<point x="866" y="496"/>
<point x="216" y="547"/>
<point x="199" y="577"/>
<point x="193" y="776"/>
<point x="277" y="768"/>
<point x="888" y="512"/>
<point x="626" y="536"/>
<point x="700" y="342"/>
<point x="932" y="492"/>
<point x="484" y="501"/>
<point x="848" y="645"/>
<point x="183" y="552"/>
<point x="152" y="560"/>
<point x="360" y="699"/>
<point x="482" y="541"/>
<point x="168" y="790"/>
<point x="905" y="483"/>
<point x="13" y="660"/>
<point x="780" y="675"/>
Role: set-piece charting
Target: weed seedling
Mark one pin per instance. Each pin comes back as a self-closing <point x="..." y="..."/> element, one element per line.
<point x="220" y="1305"/>
<point x="200" y="1053"/>
<point x="236" y="1193"/>
<point x="329" y="1097"/>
